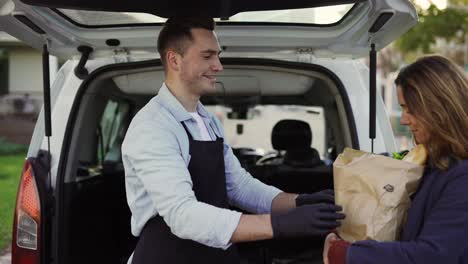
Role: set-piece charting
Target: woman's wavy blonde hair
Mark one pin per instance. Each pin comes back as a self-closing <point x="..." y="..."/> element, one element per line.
<point x="436" y="92"/>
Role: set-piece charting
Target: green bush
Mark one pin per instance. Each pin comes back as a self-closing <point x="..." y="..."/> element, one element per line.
<point x="7" y="148"/>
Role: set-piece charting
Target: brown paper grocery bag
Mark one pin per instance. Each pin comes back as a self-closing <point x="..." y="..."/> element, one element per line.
<point x="374" y="191"/>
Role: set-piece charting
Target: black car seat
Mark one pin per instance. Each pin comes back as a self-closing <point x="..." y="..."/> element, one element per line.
<point x="298" y="168"/>
<point x="295" y="137"/>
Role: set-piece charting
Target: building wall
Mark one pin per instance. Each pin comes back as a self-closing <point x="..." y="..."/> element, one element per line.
<point x="25" y="71"/>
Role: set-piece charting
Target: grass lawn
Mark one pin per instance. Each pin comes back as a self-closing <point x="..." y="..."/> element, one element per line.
<point x="10" y="172"/>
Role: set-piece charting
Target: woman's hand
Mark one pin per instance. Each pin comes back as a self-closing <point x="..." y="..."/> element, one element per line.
<point x="330" y="238"/>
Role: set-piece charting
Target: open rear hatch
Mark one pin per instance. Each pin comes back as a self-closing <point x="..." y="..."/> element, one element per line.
<point x="346" y="28"/>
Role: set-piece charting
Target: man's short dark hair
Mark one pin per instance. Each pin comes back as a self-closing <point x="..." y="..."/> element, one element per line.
<point x="176" y="33"/>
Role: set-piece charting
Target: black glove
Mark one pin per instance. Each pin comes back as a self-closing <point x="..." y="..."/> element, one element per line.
<point x="325" y="196"/>
<point x="306" y="220"/>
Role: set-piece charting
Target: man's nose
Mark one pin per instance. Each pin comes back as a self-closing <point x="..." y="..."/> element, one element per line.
<point x="217" y="66"/>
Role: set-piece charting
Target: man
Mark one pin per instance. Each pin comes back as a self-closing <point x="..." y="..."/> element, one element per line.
<point x="181" y="177"/>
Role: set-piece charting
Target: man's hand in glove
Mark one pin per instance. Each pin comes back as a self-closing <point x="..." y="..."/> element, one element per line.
<point x="325" y="196"/>
<point x="306" y="220"/>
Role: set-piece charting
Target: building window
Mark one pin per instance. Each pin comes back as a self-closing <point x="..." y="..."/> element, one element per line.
<point x="3" y="71"/>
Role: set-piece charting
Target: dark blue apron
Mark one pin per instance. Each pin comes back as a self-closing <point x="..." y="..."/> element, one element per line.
<point x="158" y="245"/>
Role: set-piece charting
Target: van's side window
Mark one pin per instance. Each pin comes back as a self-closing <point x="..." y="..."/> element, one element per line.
<point x="111" y="131"/>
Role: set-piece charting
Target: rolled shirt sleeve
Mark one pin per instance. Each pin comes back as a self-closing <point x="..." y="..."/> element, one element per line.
<point x="244" y="191"/>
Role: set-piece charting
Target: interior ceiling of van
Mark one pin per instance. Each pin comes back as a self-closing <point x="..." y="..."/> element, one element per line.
<point x="232" y="82"/>
<point x="274" y="85"/>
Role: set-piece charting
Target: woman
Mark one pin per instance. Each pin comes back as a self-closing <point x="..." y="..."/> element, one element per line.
<point x="433" y="94"/>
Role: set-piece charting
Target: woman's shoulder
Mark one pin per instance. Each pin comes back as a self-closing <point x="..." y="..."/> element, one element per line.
<point x="458" y="168"/>
<point x="458" y="164"/>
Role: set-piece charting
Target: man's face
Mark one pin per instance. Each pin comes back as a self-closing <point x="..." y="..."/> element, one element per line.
<point x="200" y="62"/>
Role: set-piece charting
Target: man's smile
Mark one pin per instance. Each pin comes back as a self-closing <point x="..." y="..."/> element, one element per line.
<point x="210" y="77"/>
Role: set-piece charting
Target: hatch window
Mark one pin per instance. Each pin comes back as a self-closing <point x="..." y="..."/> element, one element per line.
<point x="326" y="15"/>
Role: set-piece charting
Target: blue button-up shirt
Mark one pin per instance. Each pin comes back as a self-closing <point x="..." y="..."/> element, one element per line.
<point x="156" y="155"/>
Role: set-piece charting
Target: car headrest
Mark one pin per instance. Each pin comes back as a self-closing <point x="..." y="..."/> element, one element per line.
<point x="291" y="134"/>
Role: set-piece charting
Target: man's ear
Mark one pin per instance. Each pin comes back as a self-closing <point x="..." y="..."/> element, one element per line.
<point x="173" y="60"/>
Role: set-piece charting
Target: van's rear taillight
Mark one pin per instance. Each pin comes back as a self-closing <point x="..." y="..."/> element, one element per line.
<point x="26" y="227"/>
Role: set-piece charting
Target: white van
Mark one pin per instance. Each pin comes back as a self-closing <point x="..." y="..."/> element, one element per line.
<point x="283" y="61"/>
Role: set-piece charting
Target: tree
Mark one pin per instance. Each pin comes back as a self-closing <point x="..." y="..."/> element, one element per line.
<point x="448" y="24"/>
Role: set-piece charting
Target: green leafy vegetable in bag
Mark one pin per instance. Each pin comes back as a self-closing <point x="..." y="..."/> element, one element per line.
<point x="399" y="155"/>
